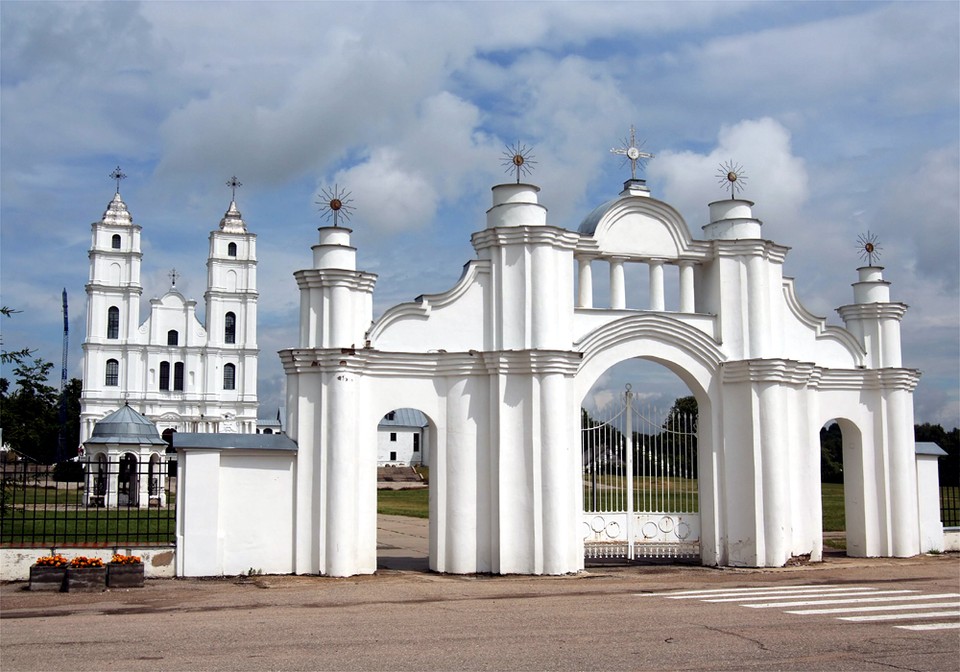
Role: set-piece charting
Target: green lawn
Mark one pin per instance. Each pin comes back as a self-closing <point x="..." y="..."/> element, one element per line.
<point x="88" y="526"/>
<point x="831" y="495"/>
<point x="414" y="503"/>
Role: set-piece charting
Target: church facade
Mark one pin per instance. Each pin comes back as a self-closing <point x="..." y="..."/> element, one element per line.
<point x="184" y="373"/>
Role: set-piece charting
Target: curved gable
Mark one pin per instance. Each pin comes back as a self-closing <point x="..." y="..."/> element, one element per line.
<point x="638" y="226"/>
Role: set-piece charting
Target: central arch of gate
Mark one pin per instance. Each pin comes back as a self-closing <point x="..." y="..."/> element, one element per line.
<point x="696" y="360"/>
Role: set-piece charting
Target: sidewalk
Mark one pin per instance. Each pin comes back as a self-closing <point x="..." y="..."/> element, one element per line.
<point x="403" y="543"/>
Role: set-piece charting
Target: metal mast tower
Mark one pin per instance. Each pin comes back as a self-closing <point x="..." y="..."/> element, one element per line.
<point x="61" y="443"/>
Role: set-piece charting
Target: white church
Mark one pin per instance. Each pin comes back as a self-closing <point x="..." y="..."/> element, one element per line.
<point x="184" y="374"/>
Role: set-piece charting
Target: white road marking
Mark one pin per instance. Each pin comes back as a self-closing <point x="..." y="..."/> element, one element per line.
<point x="884" y="607"/>
<point x="775" y="592"/>
<point x="850" y="600"/>
<point x="900" y="617"/>
<point x="759" y="589"/>
<point x="758" y="598"/>
<point x="930" y="626"/>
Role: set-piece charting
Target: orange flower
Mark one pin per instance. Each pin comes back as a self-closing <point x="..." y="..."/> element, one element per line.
<point x="83" y="561"/>
<point x="52" y="561"/>
<point x="119" y="559"/>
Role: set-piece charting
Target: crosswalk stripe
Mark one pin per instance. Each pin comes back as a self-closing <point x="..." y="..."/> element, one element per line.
<point x="900" y="617"/>
<point x="757" y="598"/>
<point x="850" y="600"/>
<point x="930" y="626"/>
<point x="744" y="590"/>
<point x="775" y="592"/>
<point x="884" y="607"/>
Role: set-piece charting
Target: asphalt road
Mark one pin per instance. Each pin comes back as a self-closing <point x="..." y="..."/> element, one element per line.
<point x="636" y="617"/>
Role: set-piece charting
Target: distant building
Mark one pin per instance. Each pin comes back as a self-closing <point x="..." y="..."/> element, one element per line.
<point x="272" y="425"/>
<point x="184" y="374"/>
<point x="401" y="438"/>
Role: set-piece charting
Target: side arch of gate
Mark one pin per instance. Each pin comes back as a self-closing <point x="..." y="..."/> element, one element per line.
<point x="695" y="358"/>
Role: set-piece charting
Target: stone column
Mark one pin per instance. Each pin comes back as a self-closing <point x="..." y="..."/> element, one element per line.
<point x="618" y="296"/>
<point x="687" y="303"/>
<point x="585" y="289"/>
<point x="656" y="284"/>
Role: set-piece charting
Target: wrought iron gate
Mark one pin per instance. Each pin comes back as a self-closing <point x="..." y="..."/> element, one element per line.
<point x="640" y="482"/>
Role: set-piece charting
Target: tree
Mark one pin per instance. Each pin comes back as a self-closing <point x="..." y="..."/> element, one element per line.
<point x="831" y="454"/>
<point x="17" y="356"/>
<point x="29" y="414"/>
<point x="679" y="435"/>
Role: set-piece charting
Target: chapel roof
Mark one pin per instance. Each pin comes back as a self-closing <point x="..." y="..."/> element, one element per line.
<point x="125" y="425"/>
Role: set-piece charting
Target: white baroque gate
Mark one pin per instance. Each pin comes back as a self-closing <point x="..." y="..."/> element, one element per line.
<point x="640" y="494"/>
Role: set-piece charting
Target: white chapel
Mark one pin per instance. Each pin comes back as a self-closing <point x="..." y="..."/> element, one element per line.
<point x="184" y="373"/>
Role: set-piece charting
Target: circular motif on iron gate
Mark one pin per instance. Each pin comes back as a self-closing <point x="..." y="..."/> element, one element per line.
<point x="666" y="524"/>
<point x="597" y="524"/>
<point x="650" y="529"/>
<point x="683" y="530"/>
<point x="613" y="529"/>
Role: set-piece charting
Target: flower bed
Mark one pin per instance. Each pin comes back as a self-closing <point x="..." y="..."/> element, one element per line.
<point x="125" y="571"/>
<point x="48" y="573"/>
<point x="86" y="575"/>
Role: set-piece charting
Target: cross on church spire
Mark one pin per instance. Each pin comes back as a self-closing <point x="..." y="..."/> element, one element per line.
<point x="631" y="151"/>
<point x="233" y="183"/>
<point x="173" y="277"/>
<point x="117" y="175"/>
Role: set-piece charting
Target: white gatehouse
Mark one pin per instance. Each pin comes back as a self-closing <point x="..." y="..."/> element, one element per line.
<point x="499" y="365"/>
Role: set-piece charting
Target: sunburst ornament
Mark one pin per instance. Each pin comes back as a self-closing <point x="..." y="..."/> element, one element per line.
<point x="869" y="247"/>
<point x="732" y="177"/>
<point x="335" y="204"/>
<point x="518" y="159"/>
<point x="632" y="152"/>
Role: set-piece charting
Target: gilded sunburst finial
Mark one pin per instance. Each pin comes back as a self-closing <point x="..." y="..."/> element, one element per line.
<point x="731" y="176"/>
<point x="869" y="247"/>
<point x="518" y="158"/>
<point x="335" y="204"/>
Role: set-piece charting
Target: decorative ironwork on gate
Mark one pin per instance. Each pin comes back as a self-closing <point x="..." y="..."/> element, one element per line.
<point x="641" y="497"/>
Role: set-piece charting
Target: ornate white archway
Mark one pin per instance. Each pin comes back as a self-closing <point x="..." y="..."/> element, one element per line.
<point x="501" y="361"/>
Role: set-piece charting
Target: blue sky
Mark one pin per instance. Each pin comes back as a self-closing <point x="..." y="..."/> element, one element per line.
<point x="845" y="116"/>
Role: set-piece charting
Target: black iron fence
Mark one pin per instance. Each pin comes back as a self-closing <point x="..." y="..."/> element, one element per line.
<point x="104" y="503"/>
<point x="950" y="505"/>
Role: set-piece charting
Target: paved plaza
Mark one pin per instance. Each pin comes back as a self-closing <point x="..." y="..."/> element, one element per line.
<point x="657" y="617"/>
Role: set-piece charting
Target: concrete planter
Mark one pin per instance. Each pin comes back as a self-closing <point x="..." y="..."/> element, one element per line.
<point x="125" y="576"/>
<point x="86" y="579"/>
<point x="46" y="577"/>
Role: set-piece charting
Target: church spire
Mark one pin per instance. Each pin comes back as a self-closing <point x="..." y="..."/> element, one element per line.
<point x="232" y="221"/>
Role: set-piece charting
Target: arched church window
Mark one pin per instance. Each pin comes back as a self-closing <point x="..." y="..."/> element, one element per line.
<point x="173" y="337"/>
<point x="115" y="241"/>
<point x="178" y="377"/>
<point x="232" y="249"/>
<point x="164" y="375"/>
<point x="112" y="378"/>
<point x="113" y="322"/>
<point x="229" y="377"/>
<point x="230" y="328"/>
